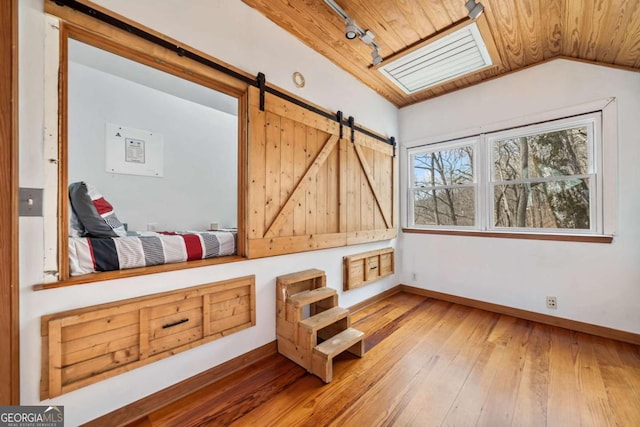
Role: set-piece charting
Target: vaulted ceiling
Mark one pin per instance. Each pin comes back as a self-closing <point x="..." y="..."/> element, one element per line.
<point x="525" y="32"/>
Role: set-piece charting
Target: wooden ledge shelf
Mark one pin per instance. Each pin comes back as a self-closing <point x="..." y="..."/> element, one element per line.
<point x="133" y="272"/>
<point x="366" y="267"/>
<point x="508" y="235"/>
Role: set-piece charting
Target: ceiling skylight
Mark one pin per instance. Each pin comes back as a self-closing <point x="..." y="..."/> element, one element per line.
<point x="454" y="55"/>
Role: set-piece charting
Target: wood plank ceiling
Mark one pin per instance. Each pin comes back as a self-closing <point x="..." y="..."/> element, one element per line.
<point x="525" y="32"/>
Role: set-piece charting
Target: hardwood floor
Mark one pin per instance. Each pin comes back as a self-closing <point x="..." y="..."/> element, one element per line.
<point x="432" y="363"/>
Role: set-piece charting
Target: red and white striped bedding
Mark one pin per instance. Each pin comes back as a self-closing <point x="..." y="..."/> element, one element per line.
<point x="89" y="254"/>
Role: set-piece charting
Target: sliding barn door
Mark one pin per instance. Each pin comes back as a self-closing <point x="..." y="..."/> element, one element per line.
<point x="370" y="186"/>
<point x="307" y="188"/>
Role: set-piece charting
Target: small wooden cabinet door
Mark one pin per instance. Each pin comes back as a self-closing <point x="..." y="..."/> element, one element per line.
<point x="363" y="268"/>
<point x="371" y="265"/>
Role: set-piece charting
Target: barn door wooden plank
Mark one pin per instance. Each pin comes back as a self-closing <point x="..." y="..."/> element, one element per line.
<point x="299" y="168"/>
<point x="287" y="151"/>
<point x="333" y="192"/>
<point x="311" y="200"/>
<point x="301" y="190"/>
<point x="380" y="201"/>
<point x="353" y="178"/>
<point x="272" y="167"/>
<point x="370" y="210"/>
<point x="256" y="173"/>
<point x="342" y="182"/>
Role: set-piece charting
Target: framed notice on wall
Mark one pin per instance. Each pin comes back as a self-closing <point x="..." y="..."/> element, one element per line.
<point x="133" y="151"/>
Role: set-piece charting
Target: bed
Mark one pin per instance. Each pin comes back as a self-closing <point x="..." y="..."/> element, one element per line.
<point x="98" y="241"/>
<point x="94" y="254"/>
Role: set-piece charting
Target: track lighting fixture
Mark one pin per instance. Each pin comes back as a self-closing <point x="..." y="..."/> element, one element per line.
<point x="475" y="9"/>
<point x="353" y="30"/>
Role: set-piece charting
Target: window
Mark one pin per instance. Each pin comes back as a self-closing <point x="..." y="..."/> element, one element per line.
<point x="445" y="185"/>
<point x="540" y="178"/>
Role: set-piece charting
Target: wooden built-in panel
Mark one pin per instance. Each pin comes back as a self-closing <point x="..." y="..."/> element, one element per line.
<point x="308" y="188"/>
<point x="366" y="267"/>
<point x="83" y="346"/>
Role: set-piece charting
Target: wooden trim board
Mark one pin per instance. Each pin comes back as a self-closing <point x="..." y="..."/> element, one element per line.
<point x="509" y="235"/>
<point x="9" y="286"/>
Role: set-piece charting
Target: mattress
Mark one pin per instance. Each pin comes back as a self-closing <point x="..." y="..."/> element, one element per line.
<point x="91" y="254"/>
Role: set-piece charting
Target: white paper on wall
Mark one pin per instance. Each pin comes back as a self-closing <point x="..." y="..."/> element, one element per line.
<point x="133" y="151"/>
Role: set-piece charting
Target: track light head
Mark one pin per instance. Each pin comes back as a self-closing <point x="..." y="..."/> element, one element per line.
<point x="475" y="9"/>
<point x="351" y="32"/>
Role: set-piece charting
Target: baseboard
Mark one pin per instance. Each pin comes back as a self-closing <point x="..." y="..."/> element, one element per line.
<point x="573" y="325"/>
<point x="382" y="295"/>
<point x="140" y="408"/>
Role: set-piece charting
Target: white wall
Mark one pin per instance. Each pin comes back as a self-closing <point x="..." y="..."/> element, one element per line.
<point x="232" y="31"/>
<point x="594" y="283"/>
<point x="200" y="160"/>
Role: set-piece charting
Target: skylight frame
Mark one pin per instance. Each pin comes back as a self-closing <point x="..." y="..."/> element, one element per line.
<point x="464" y="39"/>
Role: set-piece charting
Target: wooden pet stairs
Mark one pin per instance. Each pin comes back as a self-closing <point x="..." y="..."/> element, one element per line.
<point x="310" y="327"/>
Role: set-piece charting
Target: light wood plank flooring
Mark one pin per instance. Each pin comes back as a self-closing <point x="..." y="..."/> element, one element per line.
<point x="433" y="363"/>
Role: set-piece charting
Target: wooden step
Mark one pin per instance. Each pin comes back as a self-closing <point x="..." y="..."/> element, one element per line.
<point x="324" y="319"/>
<point x="339" y="343"/>
<point x="350" y="339"/>
<point x="300" y="276"/>
<point x="309" y="297"/>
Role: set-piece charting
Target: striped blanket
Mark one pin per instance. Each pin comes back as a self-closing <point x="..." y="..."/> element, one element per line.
<point x="89" y="254"/>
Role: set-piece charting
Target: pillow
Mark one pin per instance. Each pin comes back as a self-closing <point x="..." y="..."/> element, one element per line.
<point x="76" y="229"/>
<point x="94" y="212"/>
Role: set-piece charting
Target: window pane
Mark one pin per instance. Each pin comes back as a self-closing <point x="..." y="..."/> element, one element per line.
<point x="445" y="167"/>
<point x="558" y="153"/>
<point x="449" y="206"/>
<point x="557" y="204"/>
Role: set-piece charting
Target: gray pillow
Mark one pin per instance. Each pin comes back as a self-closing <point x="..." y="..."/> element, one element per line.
<point x="94" y="212"/>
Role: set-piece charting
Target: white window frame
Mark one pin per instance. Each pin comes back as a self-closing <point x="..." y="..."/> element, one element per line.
<point x="444" y="146"/>
<point x="601" y="124"/>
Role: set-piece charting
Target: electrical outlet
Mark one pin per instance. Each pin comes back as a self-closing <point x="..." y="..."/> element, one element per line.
<point x="414" y="276"/>
<point x="552" y="302"/>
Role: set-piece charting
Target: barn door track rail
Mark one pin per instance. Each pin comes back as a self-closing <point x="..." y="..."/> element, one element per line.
<point x="259" y="81"/>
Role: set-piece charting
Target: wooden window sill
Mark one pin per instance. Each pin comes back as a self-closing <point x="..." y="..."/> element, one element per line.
<point x="132" y="272"/>
<point x="508" y="235"/>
